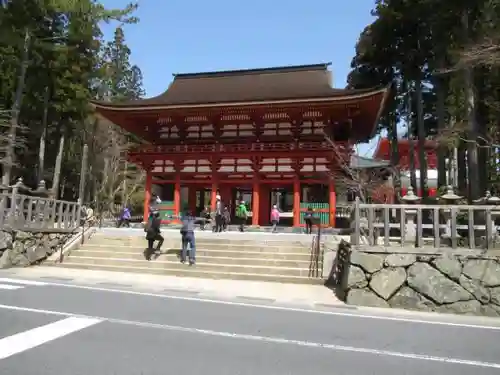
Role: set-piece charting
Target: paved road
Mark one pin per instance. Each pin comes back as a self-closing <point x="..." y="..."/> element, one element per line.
<point x="59" y="327"/>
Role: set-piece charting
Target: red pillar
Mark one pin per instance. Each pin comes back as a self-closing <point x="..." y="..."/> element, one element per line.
<point x="296" y="202"/>
<point x="213" y="199"/>
<point x="147" y="194"/>
<point x="215" y="184"/>
<point x="177" y="194"/>
<point x="332" y="202"/>
<point x="255" y="202"/>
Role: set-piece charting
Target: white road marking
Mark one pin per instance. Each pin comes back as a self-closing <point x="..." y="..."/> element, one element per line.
<point x="10" y="287"/>
<point x="32" y="338"/>
<point x="22" y="282"/>
<point x="349" y="314"/>
<point x="90" y="320"/>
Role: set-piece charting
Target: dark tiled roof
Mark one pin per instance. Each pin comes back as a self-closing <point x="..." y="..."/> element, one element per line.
<point x="360" y="162"/>
<point x="293" y="82"/>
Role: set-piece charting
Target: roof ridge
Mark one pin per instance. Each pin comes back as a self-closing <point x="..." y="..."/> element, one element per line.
<point x="277" y="69"/>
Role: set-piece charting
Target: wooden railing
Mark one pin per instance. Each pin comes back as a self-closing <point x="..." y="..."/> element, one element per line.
<point x="30" y="213"/>
<point x="233" y="147"/>
<point x="419" y="225"/>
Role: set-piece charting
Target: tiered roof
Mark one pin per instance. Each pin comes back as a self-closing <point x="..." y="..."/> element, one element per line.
<point x="295" y="83"/>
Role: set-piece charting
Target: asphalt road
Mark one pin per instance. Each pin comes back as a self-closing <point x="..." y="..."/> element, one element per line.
<point x="49" y="328"/>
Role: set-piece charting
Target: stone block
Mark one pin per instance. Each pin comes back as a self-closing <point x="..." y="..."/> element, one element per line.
<point x="387" y="281"/>
<point x="459" y="283"/>
<point x="364" y="297"/>
<point x="369" y="262"/>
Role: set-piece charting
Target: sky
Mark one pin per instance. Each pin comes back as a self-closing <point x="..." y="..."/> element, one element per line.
<point x="197" y="36"/>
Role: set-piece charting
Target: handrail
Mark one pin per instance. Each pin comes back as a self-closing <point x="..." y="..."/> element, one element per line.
<point x="315" y="254"/>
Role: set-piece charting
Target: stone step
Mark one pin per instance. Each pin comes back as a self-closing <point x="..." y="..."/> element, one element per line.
<point x="202" y="245"/>
<point x="234" y="253"/>
<point x="214" y="239"/>
<point x="201" y="258"/>
<point x="187" y="271"/>
<point x="176" y="265"/>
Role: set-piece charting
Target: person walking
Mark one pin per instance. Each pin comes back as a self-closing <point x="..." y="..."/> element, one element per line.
<point x="188" y="239"/>
<point x="275" y="218"/>
<point x="153" y="205"/>
<point x="219" y="219"/>
<point x="308" y="219"/>
<point x="241" y="215"/>
<point x="153" y="234"/>
<point x="125" y="218"/>
<point x="226" y="216"/>
<point x="205" y="214"/>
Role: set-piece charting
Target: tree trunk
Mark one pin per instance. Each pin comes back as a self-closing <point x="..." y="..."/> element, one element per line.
<point x="57" y="169"/>
<point x="472" y="136"/>
<point x="14" y="120"/>
<point x="462" y="169"/>
<point x="422" y="155"/>
<point x="411" y="145"/>
<point x="441" y="118"/>
<point x="43" y="137"/>
<point x="83" y="174"/>
<point x="395" y="159"/>
<point x="483" y="147"/>
<point x="124" y="187"/>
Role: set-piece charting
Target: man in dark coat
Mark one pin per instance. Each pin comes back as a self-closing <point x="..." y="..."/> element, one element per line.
<point x="153" y="234"/>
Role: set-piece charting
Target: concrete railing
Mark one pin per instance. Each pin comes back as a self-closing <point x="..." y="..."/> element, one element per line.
<point x="30" y="213"/>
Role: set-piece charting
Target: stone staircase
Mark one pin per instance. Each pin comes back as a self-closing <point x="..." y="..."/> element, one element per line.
<point x="231" y="255"/>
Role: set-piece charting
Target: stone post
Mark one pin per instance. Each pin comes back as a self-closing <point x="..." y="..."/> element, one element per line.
<point x="491" y="200"/>
<point x="410" y="214"/>
<point x="16" y="204"/>
<point x="41" y="206"/>
<point x="449" y="198"/>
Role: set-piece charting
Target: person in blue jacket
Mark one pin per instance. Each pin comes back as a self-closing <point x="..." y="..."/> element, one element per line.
<point x="189" y="222"/>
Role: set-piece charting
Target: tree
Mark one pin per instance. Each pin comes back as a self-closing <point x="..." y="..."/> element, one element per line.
<point x="416" y="42"/>
<point x="122" y="81"/>
<point x="61" y="67"/>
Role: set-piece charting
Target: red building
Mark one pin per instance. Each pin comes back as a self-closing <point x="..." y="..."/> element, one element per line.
<point x="258" y="135"/>
<point x="383" y="152"/>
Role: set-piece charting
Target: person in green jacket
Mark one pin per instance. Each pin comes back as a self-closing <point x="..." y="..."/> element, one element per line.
<point x="241" y="215"/>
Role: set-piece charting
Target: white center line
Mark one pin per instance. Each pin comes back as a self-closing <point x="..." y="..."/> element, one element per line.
<point x="10" y="287"/>
<point x="488" y="324"/>
<point x="35" y="337"/>
<point x="269" y="339"/>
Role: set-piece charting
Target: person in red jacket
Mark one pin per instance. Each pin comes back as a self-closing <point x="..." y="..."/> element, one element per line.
<point x="275" y="218"/>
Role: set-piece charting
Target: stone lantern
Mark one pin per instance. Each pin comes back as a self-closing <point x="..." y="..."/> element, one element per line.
<point x="410" y="214"/>
<point x="41" y="190"/>
<point x="41" y="205"/>
<point x="489" y="199"/>
<point x="449" y="198"/>
<point x="17" y="203"/>
<point x="20" y="187"/>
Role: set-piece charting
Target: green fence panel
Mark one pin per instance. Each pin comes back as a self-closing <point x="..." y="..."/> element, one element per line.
<point x="324" y="216"/>
<point x="165" y="209"/>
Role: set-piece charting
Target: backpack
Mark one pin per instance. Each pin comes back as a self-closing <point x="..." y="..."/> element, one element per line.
<point x="239" y="212"/>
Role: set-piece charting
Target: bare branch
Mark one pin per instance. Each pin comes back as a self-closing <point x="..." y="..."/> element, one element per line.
<point x="455" y="133"/>
<point x="362" y="182"/>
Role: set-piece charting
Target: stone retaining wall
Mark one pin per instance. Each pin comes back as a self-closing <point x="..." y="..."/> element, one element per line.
<point x="21" y="249"/>
<point x="449" y="283"/>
